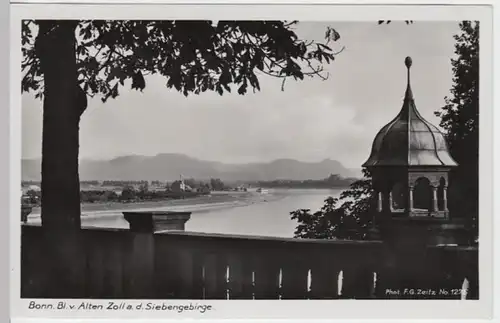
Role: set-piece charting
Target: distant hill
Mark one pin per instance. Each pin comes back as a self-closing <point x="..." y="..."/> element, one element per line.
<point x="171" y="166"/>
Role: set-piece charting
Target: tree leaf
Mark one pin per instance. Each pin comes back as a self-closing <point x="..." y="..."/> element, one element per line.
<point x="192" y="56"/>
<point x="243" y="88"/>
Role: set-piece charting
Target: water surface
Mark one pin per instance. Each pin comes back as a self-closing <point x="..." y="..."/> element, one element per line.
<point x="252" y="214"/>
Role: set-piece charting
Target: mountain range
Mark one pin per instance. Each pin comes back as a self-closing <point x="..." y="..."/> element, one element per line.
<point x="172" y="166"/>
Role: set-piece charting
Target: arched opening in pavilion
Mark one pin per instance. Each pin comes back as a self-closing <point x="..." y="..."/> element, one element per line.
<point x="398" y="197"/>
<point x="441" y="194"/>
<point x="422" y="195"/>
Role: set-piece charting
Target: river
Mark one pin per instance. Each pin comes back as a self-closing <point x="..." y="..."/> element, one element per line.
<point x="251" y="214"/>
<point x="267" y="216"/>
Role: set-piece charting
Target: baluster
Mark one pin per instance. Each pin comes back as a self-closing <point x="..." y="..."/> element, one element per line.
<point x="436" y="271"/>
<point x="248" y="287"/>
<point x="413" y="276"/>
<point x="357" y="282"/>
<point x="294" y="274"/>
<point x="140" y="264"/>
<point x="324" y="276"/>
<point x="236" y="276"/>
<point x="267" y="271"/>
<point x="106" y="247"/>
<point x="453" y="285"/>
<point x="125" y="251"/>
<point x="95" y="261"/>
<point x="384" y="286"/>
<point x="241" y="274"/>
<point x="190" y="273"/>
<point x="473" y="290"/>
<point x="470" y="264"/>
<point x="166" y="269"/>
<point x="113" y="267"/>
<point x="198" y="273"/>
<point x="30" y="255"/>
<point x="454" y="271"/>
<point x="430" y="278"/>
<point x="215" y="276"/>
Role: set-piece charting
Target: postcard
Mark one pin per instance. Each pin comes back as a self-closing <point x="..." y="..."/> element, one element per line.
<point x="224" y="161"/>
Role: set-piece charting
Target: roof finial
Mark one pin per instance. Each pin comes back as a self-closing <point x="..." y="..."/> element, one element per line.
<point x="408" y="61"/>
<point x="408" y="94"/>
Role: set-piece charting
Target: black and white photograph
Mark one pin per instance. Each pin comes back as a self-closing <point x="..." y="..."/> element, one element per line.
<point x="210" y="159"/>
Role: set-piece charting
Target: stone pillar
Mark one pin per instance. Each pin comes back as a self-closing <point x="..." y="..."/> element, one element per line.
<point x="386" y="200"/>
<point x="141" y="252"/>
<point x="434" y="199"/>
<point x="379" y="202"/>
<point x="410" y="198"/>
<point x="445" y="199"/>
<point x="391" y="208"/>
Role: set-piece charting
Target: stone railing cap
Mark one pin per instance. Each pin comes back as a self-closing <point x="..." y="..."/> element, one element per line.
<point x="153" y="221"/>
<point x="156" y="213"/>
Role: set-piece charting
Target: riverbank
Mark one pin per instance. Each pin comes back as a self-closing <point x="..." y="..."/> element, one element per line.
<point x="194" y="204"/>
<point x="243" y="213"/>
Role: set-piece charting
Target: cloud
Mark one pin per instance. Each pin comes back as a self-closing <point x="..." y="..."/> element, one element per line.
<point x="310" y="120"/>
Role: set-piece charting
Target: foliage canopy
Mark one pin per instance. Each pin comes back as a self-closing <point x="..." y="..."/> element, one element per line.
<point x="193" y="56"/>
<point x="460" y="120"/>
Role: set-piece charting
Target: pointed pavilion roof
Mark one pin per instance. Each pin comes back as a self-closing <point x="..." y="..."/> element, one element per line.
<point x="409" y="139"/>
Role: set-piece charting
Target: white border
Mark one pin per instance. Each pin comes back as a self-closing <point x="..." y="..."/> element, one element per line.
<point x="4" y="162"/>
<point x="338" y="309"/>
<point x="265" y="2"/>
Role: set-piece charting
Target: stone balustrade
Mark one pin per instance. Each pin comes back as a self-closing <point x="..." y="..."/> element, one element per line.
<point x="156" y="259"/>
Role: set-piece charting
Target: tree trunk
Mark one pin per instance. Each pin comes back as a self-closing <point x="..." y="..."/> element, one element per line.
<point x="55" y="48"/>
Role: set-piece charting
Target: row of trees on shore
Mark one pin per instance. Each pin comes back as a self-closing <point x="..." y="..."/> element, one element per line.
<point x="332" y="181"/>
<point x="215" y="183"/>
<point x="130" y="194"/>
<point x="127" y="195"/>
<point x="109" y="191"/>
<point x="141" y="190"/>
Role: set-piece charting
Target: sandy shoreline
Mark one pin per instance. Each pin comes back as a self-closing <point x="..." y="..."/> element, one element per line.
<point x="196" y="204"/>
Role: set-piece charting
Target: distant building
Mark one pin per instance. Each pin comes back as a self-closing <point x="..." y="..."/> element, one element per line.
<point x="180" y="186"/>
<point x="157" y="188"/>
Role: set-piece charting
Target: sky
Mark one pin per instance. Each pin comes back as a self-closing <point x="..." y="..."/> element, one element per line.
<point x="310" y="120"/>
